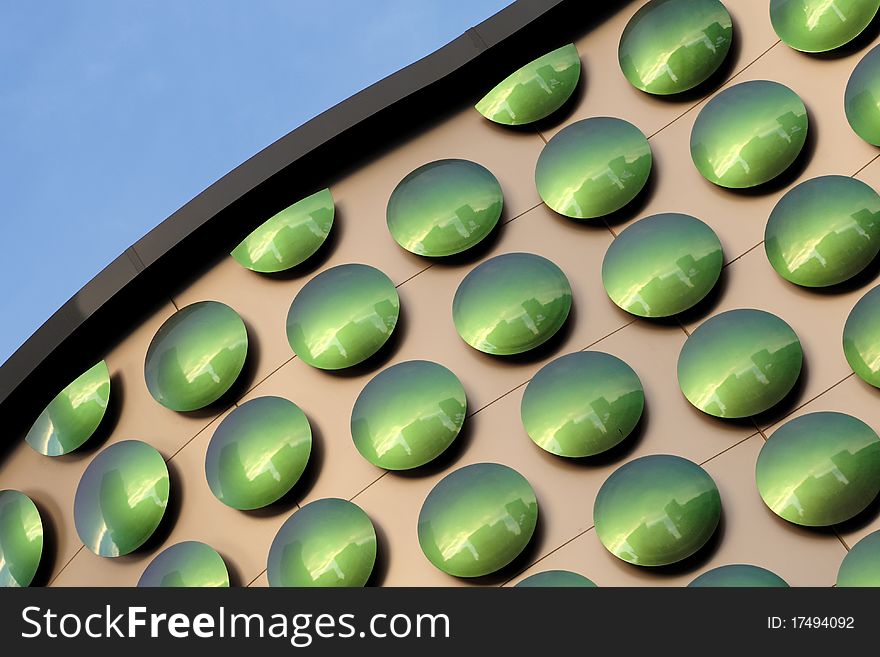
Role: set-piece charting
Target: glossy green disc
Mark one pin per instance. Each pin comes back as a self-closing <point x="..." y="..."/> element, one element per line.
<point x="73" y="416"/>
<point x="582" y="404"/>
<point x="342" y="316"/>
<point x="408" y="415"/>
<point x="819" y="469"/>
<point x="862" y="98"/>
<point x="121" y="498"/>
<point x="196" y="356"/>
<point x="824" y="231"/>
<point x="670" y="46"/>
<point x="593" y="167"/>
<point x="511" y="303"/>
<point x="21" y="539"/>
<point x="290" y="237"/>
<point x="749" y="134"/>
<point x="739" y="575"/>
<point x="662" y="265"/>
<point x="656" y="510"/>
<point x="556" y="579"/>
<point x="820" y="25"/>
<point x="329" y="542"/>
<point x="536" y="90"/>
<point x="186" y="565"/>
<point x="739" y="363"/>
<point x="258" y="453"/>
<point x="444" y="207"/>
<point x="861" y="565"/>
<point x="477" y="519"/>
<point x="861" y="338"/>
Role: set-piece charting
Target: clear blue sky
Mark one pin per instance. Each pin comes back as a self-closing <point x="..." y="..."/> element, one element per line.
<point x="114" y="114"/>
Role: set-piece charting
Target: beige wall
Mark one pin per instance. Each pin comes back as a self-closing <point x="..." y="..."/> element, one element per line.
<point x="750" y="533"/>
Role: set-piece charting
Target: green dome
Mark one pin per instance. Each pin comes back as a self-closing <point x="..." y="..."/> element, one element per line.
<point x="819" y="469"/>
<point x="748" y="134"/>
<point x="670" y="46"/>
<point x="861" y="98"/>
<point x="662" y="265"/>
<point x="582" y="404"/>
<point x="187" y="564"/>
<point x="408" y="414"/>
<point x="21" y="539"/>
<point x="556" y="579"/>
<point x="739" y="575"/>
<point x="820" y="25"/>
<point x="861" y="565"/>
<point x="861" y="338"/>
<point x="656" y="510"/>
<point x="477" y="519"/>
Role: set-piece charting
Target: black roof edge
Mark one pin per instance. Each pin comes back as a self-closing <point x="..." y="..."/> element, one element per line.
<point x="144" y="276"/>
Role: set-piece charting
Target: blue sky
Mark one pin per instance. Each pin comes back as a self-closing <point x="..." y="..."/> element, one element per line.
<point x="114" y="114"/>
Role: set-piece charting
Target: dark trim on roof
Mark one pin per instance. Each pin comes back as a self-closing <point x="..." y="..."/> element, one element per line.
<point x="148" y="272"/>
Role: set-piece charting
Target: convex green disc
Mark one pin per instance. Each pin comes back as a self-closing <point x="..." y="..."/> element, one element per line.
<point x="327" y="543"/>
<point x="73" y="415"/>
<point x="582" y="404"/>
<point x="556" y="579"/>
<point x="186" y="565"/>
<point x="534" y="91"/>
<point x="861" y="338"/>
<point x="739" y="575"/>
<point x="196" y="356"/>
<point x="824" y="231"/>
<point x="511" y="303"/>
<point x="121" y="498"/>
<point x="258" y="452"/>
<point x="593" y="167"/>
<point x="748" y="134"/>
<point x="820" y="25"/>
<point x="408" y="414"/>
<point x="21" y="539"/>
<point x="477" y="519"/>
<point x="342" y="316"/>
<point x="819" y="469"/>
<point x="670" y="46"/>
<point x="662" y="265"/>
<point x="739" y="363"/>
<point x="444" y="207"/>
<point x="861" y="565"/>
<point x="656" y="510"/>
<point x="290" y="237"/>
<point x="862" y="96"/>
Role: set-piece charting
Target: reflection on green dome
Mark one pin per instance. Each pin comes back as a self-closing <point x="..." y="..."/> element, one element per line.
<point x="196" y="356"/>
<point x="593" y="167"/>
<point x="444" y="207"/>
<point x="820" y="25"/>
<point x="342" y="316"/>
<point x="185" y="565"/>
<point x="739" y="363"/>
<point x="290" y="237"/>
<point x="670" y="46"/>
<point x="258" y="452"/>
<point x="21" y="539"/>
<point x="73" y="416"/>
<point x="861" y="338"/>
<point x="748" y="134"/>
<point x="819" y="469"/>
<point x="656" y="510"/>
<point x="739" y="575"/>
<point x="862" y="98"/>
<point x="662" y="265"/>
<point x="861" y="565"/>
<point x="408" y="414"/>
<point x="511" y="303"/>
<point x="556" y="579"/>
<point x="582" y="404"/>
<point x="477" y="519"/>
<point x="824" y="231"/>
<point x="121" y="498"/>
<point x="327" y="543"/>
<point x="534" y="91"/>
